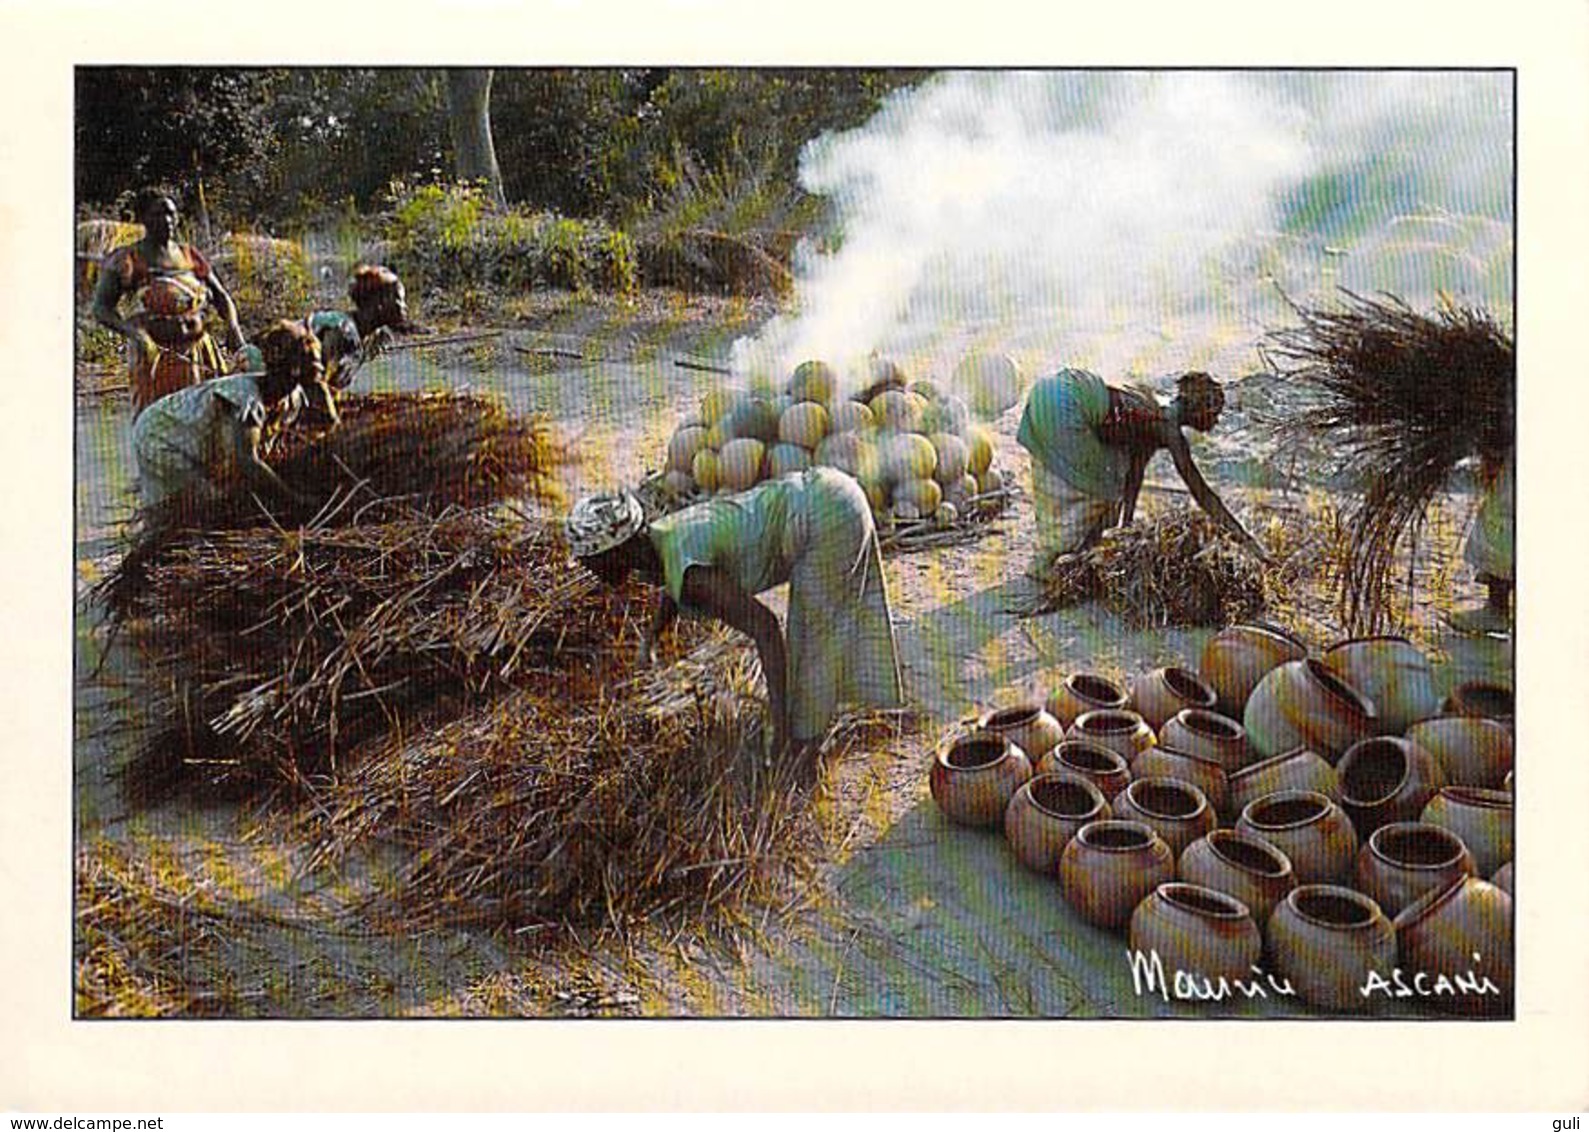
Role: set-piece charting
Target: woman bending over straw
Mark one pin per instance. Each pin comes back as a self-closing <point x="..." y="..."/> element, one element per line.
<point x="1090" y="444"/>
<point x="811" y="529"/>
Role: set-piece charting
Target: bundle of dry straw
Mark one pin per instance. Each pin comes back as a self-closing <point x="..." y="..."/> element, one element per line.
<point x="1405" y="398"/>
<point x="1174" y="569"/>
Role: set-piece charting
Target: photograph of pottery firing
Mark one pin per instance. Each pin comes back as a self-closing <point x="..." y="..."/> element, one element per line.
<point x="800" y="543"/>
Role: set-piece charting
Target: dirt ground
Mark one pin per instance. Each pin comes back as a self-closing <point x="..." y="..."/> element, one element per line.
<point x="910" y="916"/>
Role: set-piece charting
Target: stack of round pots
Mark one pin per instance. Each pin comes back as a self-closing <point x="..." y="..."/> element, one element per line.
<point x="913" y="448"/>
<point x="1329" y="819"/>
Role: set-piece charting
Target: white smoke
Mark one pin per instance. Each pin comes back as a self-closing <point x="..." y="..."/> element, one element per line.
<point x="1140" y="222"/>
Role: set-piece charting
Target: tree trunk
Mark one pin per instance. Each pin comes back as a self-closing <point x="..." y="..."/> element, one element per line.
<point x="469" y="117"/>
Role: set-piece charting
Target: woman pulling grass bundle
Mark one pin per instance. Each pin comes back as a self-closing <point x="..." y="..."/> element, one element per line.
<point x="813" y="530"/>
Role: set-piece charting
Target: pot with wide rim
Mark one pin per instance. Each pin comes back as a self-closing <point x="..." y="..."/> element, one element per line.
<point x="1107" y="869"/>
<point x="1161" y="761"/>
<point x="1303" y="703"/>
<point x="1120" y="730"/>
<point x="1481" y="818"/>
<point x="1313" y="832"/>
<point x="1386" y="779"/>
<point x="1107" y="769"/>
<point x="974" y="777"/>
<point x="1158" y="695"/>
<point x="1235" y="659"/>
<point x="1196" y="930"/>
<point x="1297" y="769"/>
<point x="1461" y="934"/>
<point x="1402" y="861"/>
<point x="1082" y="692"/>
<point x="1028" y="726"/>
<point x="1208" y="735"/>
<point x="1484" y="698"/>
<point x="1393" y="673"/>
<point x="1472" y="750"/>
<point x="1242" y="866"/>
<point x="1327" y="941"/>
<point x="1177" y="811"/>
<point x="1045" y="813"/>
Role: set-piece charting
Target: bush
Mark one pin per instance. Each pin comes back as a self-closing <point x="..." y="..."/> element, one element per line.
<point x="449" y="237"/>
<point x="268" y="278"/>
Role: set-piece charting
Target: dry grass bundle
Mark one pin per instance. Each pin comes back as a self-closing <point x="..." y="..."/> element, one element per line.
<point x="562" y="808"/>
<point x="270" y="655"/>
<point x="1175" y="569"/>
<point x="1405" y="397"/>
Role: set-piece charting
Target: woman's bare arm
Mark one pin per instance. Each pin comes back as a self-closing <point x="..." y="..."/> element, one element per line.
<point x="667" y="611"/>
<point x="1211" y="503"/>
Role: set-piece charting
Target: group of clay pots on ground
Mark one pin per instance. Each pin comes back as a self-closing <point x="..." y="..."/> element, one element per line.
<point x="910" y="445"/>
<point x="1324" y="819"/>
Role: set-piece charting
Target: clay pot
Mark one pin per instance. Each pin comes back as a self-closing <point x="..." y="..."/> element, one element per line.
<point x="1107" y="869"/>
<point x="1471" y="750"/>
<point x="1386" y="779"/>
<point x="1508" y="785"/>
<point x="1028" y="726"/>
<point x="1481" y="818"/>
<point x="1197" y="930"/>
<point x="1480" y="698"/>
<point x="1160" y="694"/>
<point x="1235" y="659"/>
<point x="1462" y="929"/>
<point x="1325" y="939"/>
<point x="1167" y="762"/>
<point x="1400" y="862"/>
<point x="1120" y="730"/>
<point x="1393" y="673"/>
<point x="974" y="777"/>
<point x="1082" y="692"/>
<point x="1298" y="769"/>
<point x="1045" y="813"/>
<point x="1302" y="703"/>
<point x="1104" y="768"/>
<point x="1208" y="735"/>
<point x="1251" y="870"/>
<point x="1312" y="831"/>
<point x="1503" y="878"/>
<point x="1177" y="811"/>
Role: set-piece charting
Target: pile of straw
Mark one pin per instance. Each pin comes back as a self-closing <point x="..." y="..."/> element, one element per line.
<point x="1404" y="399"/>
<point x="1174" y="569"/>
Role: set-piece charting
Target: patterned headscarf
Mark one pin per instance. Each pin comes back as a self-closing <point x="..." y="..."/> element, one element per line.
<point x="598" y="523"/>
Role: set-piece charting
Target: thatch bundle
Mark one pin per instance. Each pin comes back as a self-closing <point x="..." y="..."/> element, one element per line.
<point x="1405" y="398"/>
<point x="1174" y="569"/>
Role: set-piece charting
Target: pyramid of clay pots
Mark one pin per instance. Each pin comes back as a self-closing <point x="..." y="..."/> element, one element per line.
<point x="911" y="446"/>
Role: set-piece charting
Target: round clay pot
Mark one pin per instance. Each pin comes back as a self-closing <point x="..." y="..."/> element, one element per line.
<point x="1197" y="930"/>
<point x="1481" y="818"/>
<point x="1298" y="769"/>
<point x="1177" y="811"/>
<point x="1028" y="726"/>
<point x="1235" y="659"/>
<point x="1462" y="929"/>
<point x="1302" y="703"/>
<point x="1312" y="831"/>
<point x="1104" y="768"/>
<point x="1503" y="878"/>
<point x="1158" y="695"/>
<point x="1107" y="869"/>
<point x="1162" y="761"/>
<point x="1208" y="735"/>
<point x="974" y="777"/>
<point x="1402" y="861"/>
<point x="1393" y="673"/>
<point x="1082" y="692"/>
<point x="1120" y="730"/>
<point x="1251" y="870"/>
<point x="1386" y="779"/>
<point x="1045" y="813"/>
<point x="1480" y="698"/>
<point x="1471" y="750"/>
<point x="1325" y="940"/>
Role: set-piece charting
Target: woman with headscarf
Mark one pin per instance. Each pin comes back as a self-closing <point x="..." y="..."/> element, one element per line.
<point x="171" y="285"/>
<point x="811" y="529"/>
<point x="1090" y="443"/>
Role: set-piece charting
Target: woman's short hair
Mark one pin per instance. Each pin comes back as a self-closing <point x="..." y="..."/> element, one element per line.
<point x="370" y="281"/>
<point x="148" y="198"/>
<point x="291" y="347"/>
<point x="1199" y="390"/>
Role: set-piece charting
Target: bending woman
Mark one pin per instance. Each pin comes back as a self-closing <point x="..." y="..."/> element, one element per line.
<point x="811" y="529"/>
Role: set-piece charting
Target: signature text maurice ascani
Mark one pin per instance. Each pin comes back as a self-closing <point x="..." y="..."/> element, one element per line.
<point x="1149" y="977"/>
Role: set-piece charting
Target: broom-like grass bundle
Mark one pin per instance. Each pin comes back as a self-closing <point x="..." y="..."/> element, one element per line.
<point x="1405" y="398"/>
<point x="1174" y="569"/>
<point x="586" y="807"/>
